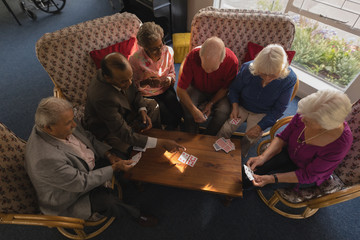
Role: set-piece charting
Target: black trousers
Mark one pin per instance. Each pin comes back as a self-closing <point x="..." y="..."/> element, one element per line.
<point x="170" y="109"/>
<point x="280" y="163"/>
<point x="104" y="201"/>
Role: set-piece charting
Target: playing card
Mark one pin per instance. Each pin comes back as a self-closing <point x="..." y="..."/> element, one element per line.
<point x="235" y="121"/>
<point x="225" y="144"/>
<point x="249" y="173"/>
<point x="217" y="147"/>
<point x="192" y="160"/>
<point x="136" y="158"/>
<point x="205" y="116"/>
<point x="139" y="149"/>
<point x="184" y="157"/>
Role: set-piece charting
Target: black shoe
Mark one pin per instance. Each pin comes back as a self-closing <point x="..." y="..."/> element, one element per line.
<point x="146" y="220"/>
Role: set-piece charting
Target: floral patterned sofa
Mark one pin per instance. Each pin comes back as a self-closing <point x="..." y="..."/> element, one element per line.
<point x="237" y="27"/>
<point x="64" y="54"/>
<point x="343" y="185"/>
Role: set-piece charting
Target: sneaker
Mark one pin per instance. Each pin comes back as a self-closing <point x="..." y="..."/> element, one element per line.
<point x="147" y="220"/>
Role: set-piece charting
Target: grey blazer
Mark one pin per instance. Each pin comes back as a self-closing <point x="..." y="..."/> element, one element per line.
<point x="61" y="178"/>
<point x="109" y="113"/>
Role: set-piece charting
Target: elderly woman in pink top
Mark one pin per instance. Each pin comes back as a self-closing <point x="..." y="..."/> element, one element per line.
<point x="154" y="73"/>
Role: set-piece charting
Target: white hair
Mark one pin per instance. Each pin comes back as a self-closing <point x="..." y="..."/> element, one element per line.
<point x="49" y="110"/>
<point x="328" y="108"/>
<point x="271" y="60"/>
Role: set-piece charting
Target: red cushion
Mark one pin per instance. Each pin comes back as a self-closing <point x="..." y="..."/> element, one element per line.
<point x="254" y="49"/>
<point x="126" y="48"/>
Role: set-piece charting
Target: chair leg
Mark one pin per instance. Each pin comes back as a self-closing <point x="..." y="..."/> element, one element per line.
<point x="275" y="198"/>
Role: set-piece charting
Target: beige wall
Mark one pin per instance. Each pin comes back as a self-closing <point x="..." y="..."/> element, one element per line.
<point x="193" y="7"/>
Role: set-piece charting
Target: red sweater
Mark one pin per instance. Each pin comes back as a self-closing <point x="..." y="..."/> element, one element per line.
<point x="208" y="82"/>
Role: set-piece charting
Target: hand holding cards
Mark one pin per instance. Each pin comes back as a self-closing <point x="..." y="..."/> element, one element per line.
<point x="235" y="121"/>
<point x="249" y="173"/>
<point x="188" y="159"/>
<point x="136" y="158"/>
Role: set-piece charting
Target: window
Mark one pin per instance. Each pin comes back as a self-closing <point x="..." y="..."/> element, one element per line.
<point x="326" y="43"/>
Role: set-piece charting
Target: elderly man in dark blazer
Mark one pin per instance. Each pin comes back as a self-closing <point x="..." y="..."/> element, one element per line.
<point x="116" y="112"/>
<point x="62" y="159"/>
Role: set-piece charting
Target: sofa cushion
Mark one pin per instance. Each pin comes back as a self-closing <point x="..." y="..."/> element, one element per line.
<point x="253" y="50"/>
<point x="333" y="184"/>
<point x="17" y="194"/>
<point x="126" y="48"/>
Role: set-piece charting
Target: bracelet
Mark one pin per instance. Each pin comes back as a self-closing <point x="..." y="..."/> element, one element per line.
<point x="276" y="178"/>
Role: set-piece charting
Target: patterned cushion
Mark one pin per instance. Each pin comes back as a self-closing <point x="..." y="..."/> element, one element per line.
<point x="237" y="27"/>
<point x="333" y="184"/>
<point x="349" y="169"/>
<point x="64" y="54"/>
<point x="17" y="194"/>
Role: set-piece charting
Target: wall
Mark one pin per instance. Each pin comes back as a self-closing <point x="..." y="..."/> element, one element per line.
<point x="193" y="7"/>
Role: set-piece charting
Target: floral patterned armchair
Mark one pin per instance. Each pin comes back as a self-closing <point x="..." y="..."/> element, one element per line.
<point x="18" y="201"/>
<point x="343" y="185"/>
<point x="64" y="54"/>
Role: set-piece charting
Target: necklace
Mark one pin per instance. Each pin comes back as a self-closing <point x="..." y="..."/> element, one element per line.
<point x="307" y="140"/>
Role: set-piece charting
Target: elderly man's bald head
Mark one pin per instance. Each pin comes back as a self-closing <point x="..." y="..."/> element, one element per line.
<point x="212" y="54"/>
<point x="117" y="70"/>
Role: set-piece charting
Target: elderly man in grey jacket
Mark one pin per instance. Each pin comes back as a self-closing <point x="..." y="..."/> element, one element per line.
<point x="62" y="162"/>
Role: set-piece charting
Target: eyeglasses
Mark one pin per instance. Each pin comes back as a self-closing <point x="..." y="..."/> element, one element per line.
<point x="156" y="49"/>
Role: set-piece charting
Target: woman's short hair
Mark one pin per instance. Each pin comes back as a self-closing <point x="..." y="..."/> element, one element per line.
<point x="272" y="60"/>
<point x="329" y="108"/>
<point x="49" y="111"/>
<point x="149" y="33"/>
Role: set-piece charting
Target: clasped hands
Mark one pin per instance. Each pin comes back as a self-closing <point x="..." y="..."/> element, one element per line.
<point x="259" y="180"/>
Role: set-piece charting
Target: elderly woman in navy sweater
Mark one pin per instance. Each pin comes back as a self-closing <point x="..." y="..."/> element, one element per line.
<point x="259" y="94"/>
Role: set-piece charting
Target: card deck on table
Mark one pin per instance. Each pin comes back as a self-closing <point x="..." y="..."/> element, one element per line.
<point x="235" y="121"/>
<point x="225" y="144"/>
<point x="184" y="157"/>
<point x="188" y="159"/>
<point x="192" y="160"/>
<point x="217" y="147"/>
<point x="136" y="158"/>
<point x="249" y="173"/>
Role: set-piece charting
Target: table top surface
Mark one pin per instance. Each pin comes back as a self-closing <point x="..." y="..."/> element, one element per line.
<point x="216" y="172"/>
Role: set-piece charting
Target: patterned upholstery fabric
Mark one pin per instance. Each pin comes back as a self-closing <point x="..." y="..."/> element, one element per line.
<point x="333" y="184"/>
<point x="64" y="54"/>
<point x="349" y="169"/>
<point x="17" y="194"/>
<point x="237" y="27"/>
<point x="345" y="175"/>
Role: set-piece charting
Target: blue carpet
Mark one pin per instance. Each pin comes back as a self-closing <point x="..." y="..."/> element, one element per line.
<point x="183" y="214"/>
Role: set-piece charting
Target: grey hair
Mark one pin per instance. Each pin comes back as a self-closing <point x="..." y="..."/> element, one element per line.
<point x="271" y="60"/>
<point x="208" y="47"/>
<point x="49" y="110"/>
<point x="148" y="33"/>
<point x="328" y="108"/>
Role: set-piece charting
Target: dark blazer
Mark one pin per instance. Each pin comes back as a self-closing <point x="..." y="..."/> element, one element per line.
<point x="61" y="178"/>
<point x="109" y="112"/>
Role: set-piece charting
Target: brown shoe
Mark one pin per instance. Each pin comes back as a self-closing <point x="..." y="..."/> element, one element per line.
<point x="147" y="220"/>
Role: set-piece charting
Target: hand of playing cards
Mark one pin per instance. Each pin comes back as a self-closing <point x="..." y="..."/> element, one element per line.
<point x="136" y="158"/>
<point x="188" y="159"/>
<point x="249" y="173"/>
<point x="224" y="144"/>
<point x="235" y="121"/>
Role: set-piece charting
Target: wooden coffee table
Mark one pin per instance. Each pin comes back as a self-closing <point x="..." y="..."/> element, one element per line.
<point x="216" y="172"/>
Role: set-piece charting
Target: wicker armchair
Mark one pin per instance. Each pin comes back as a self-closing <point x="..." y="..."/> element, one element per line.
<point x="18" y="201"/>
<point x="237" y="27"/>
<point x="343" y="185"/>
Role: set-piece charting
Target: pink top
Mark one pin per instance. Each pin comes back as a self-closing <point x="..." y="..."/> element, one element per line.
<point x="315" y="163"/>
<point x="144" y="68"/>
